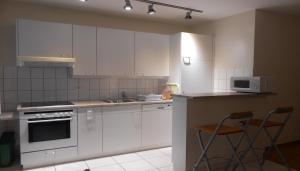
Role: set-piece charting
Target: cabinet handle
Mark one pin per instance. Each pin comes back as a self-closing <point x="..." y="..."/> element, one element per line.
<point x="161" y="107"/>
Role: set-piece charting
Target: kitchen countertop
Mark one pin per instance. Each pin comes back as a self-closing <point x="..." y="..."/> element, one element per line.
<point x="218" y="94"/>
<point x="83" y="104"/>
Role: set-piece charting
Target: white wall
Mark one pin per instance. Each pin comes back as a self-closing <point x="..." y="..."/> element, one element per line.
<point x="195" y="77"/>
<point x="233" y="47"/>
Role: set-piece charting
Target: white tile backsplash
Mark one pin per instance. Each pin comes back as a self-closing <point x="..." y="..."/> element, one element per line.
<point x="94" y="84"/>
<point x="1" y="72"/>
<point x="10" y="72"/>
<point x="62" y="84"/>
<point x="72" y="94"/>
<point x="49" y="73"/>
<point x="24" y="96"/>
<point x="73" y="84"/>
<point x="61" y="73"/>
<point x="24" y="84"/>
<point x="10" y="84"/>
<point x="37" y="96"/>
<point x="94" y="94"/>
<point x="62" y="95"/>
<point x="50" y="95"/>
<point x="23" y="72"/>
<point x="37" y="73"/>
<point x="84" y="84"/>
<point x="11" y="97"/>
<point x="49" y="84"/>
<point x="83" y="94"/>
<point x="37" y="84"/>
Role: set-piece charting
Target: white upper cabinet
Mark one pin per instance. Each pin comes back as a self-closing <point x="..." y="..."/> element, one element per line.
<point x="46" y="39"/>
<point x="151" y="54"/>
<point x="115" y="52"/>
<point x="85" y="50"/>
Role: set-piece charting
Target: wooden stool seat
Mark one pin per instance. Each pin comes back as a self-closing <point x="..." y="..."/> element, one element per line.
<point x="258" y="122"/>
<point x="224" y="129"/>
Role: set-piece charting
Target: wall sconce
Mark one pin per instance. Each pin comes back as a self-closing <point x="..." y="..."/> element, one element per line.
<point x="187" y="60"/>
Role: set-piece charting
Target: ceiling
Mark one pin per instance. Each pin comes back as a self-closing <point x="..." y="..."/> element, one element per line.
<point x="213" y="9"/>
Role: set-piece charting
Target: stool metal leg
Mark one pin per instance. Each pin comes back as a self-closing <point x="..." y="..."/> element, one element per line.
<point x="202" y="148"/>
<point x="236" y="147"/>
<point x="201" y="157"/>
<point x="253" y="152"/>
<point x="274" y="145"/>
<point x="234" y="152"/>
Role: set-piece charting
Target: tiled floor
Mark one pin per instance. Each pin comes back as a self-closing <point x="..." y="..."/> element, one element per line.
<point x="152" y="160"/>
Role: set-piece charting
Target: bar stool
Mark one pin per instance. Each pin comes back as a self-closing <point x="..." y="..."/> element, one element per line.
<point x="222" y="130"/>
<point x="264" y="125"/>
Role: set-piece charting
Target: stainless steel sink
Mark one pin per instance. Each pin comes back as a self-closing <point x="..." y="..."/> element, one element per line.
<point x="119" y="101"/>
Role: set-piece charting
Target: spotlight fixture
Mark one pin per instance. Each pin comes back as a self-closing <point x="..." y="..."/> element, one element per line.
<point x="128" y="6"/>
<point x="188" y="15"/>
<point x="83" y="0"/>
<point x="151" y="10"/>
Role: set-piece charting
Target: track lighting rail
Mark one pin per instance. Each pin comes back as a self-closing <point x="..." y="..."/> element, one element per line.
<point x="170" y="5"/>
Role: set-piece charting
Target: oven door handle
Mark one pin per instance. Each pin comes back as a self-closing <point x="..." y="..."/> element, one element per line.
<point x="50" y="120"/>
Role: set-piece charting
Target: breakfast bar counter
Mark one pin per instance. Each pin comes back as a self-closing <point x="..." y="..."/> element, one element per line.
<point x="190" y="110"/>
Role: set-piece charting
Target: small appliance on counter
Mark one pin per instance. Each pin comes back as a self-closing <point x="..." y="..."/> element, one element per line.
<point x="255" y="84"/>
<point x="169" y="89"/>
<point x="150" y="97"/>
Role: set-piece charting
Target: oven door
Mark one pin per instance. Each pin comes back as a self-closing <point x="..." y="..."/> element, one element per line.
<point x="48" y="133"/>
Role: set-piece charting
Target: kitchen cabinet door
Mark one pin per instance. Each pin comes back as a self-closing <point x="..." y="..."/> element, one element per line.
<point x="151" y="54"/>
<point x="121" y="129"/>
<point x="89" y="132"/>
<point x="157" y="125"/>
<point x="85" y="50"/>
<point x="63" y="155"/>
<point x="44" y="39"/>
<point x="115" y="52"/>
<point x="36" y="159"/>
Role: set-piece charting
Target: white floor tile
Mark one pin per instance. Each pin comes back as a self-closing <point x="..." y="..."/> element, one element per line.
<point x="77" y="166"/>
<point x="43" y="169"/>
<point x="139" y="165"/>
<point x="100" y="162"/>
<point x="150" y="154"/>
<point x="127" y="158"/>
<point x="167" y="150"/>
<point x="160" y="162"/>
<point x="108" y="168"/>
<point x="170" y="168"/>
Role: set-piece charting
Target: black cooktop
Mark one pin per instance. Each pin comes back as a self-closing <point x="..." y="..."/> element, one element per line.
<point x="42" y="104"/>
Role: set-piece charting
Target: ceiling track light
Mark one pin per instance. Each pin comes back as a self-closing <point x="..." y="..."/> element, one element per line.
<point x="151" y="10"/>
<point x="128" y="6"/>
<point x="83" y="0"/>
<point x="188" y="15"/>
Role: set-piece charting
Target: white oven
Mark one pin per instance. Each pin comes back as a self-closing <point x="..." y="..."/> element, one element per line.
<point x="251" y="84"/>
<point x="45" y="130"/>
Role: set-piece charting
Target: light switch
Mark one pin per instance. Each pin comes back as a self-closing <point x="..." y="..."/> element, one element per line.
<point x="187" y="60"/>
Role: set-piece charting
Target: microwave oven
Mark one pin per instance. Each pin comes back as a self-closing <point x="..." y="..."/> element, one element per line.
<point x="251" y="84"/>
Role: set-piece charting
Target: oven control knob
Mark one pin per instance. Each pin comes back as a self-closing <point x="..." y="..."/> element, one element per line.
<point x="43" y="115"/>
<point x="38" y="116"/>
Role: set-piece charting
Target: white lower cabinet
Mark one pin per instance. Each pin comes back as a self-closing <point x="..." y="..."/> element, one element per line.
<point x="89" y="132"/>
<point x="121" y="128"/>
<point x="48" y="157"/>
<point x="156" y="125"/>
